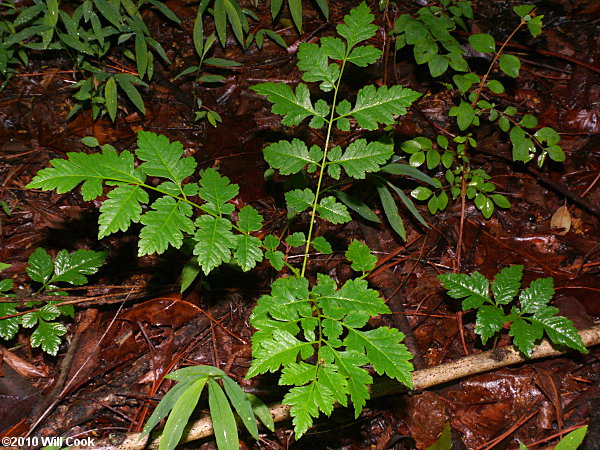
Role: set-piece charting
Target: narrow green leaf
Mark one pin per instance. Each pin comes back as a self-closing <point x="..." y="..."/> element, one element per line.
<point x="391" y="210"/>
<point x="165" y="406"/>
<point x="572" y="440"/>
<point x="110" y="96"/>
<point x="357" y="206"/>
<point x="242" y="405"/>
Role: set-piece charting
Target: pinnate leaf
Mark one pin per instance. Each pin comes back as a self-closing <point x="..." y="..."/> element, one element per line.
<point x="47" y="335"/>
<point x="299" y="199"/>
<point x="308" y="402"/>
<point x="120" y="209"/>
<point x="216" y="191"/>
<point x="9" y="326"/>
<point x="164" y="225"/>
<point x="537" y="296"/>
<point x="506" y="284"/>
<point x="40" y="266"/>
<point x="474" y="287"/>
<point x="294" y="106"/>
<point x="358" y="25"/>
<point x="282" y="350"/>
<point x="381" y="105"/>
<point x="215" y="241"/>
<point x="360" y="256"/>
<point x="288" y="156"/>
<point x="92" y="170"/>
<point x="333" y="211"/>
<point x="314" y="62"/>
<point x="74" y="268"/>
<point x="364" y="55"/>
<point x="490" y="320"/>
<point x="361" y="157"/>
<point x="249" y="219"/>
<point x="561" y="331"/>
<point x="525" y="334"/>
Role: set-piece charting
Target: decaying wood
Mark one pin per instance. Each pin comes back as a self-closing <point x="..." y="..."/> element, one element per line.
<point x="422" y="379"/>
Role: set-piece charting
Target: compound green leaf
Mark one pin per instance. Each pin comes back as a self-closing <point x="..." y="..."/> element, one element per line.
<point x="333" y="211"/>
<point x="295" y="107"/>
<point x="381" y="105"/>
<point x="215" y="241"/>
<point x="249" y="219"/>
<point x="321" y="245"/>
<point x="216" y="191"/>
<point x="164" y="225"/>
<point x="10" y="326"/>
<point x="384" y="350"/>
<point x="40" y="266"/>
<point x="333" y="47"/>
<point x="358" y="25"/>
<point x="349" y="365"/>
<point x="474" y="287"/>
<point x="47" y="335"/>
<point x="490" y="319"/>
<point x="506" y="284"/>
<point x="91" y="169"/>
<point x="364" y="55"/>
<point x="561" y="331"/>
<point x="525" y="334"/>
<point x="313" y="61"/>
<point x="248" y="251"/>
<point x="288" y="157"/>
<point x="361" y="257"/>
<point x="121" y="208"/>
<point x="299" y="199"/>
<point x="537" y="296"/>
<point x="361" y="157"/>
<point x="281" y="350"/>
<point x="222" y="417"/>
<point x="307" y="402"/>
<point x="163" y="158"/>
<point x="74" y="268"/>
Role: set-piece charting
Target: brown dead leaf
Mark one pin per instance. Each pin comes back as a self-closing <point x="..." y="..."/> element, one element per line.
<point x="561" y="221"/>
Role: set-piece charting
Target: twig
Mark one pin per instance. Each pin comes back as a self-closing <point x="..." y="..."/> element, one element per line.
<point x="422" y="379"/>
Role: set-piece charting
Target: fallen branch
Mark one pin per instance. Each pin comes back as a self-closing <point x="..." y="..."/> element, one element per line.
<point x="422" y="379"/>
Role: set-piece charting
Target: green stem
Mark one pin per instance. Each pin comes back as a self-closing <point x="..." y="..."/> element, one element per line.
<point x="322" y="165"/>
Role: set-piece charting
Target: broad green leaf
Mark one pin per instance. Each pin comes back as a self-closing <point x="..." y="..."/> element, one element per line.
<point x="357" y="206"/>
<point x="91" y="169"/>
<point x="164" y="225"/>
<point x="500" y="200"/>
<point x="73" y="268"/>
<point x="313" y="61"/>
<point x="490" y="319"/>
<point x="381" y="105"/>
<point x="242" y="405"/>
<point x="385" y="352"/>
<point x="40" y="266"/>
<point x="523" y="10"/>
<point x="483" y="43"/>
<point x="121" y="208"/>
<point x="10" y="326"/>
<point x="110" y="96"/>
<point x="248" y="251"/>
<point x="391" y="210"/>
<point x="216" y="190"/>
<point x="180" y="414"/>
<point x="421" y="193"/>
<point x="275" y="258"/>
<point x="47" y="335"/>
<point x="537" y="296"/>
<point x="506" y="284"/>
<point x="357" y="26"/>
<point x="525" y="334"/>
<point x="165" y="406"/>
<point x="510" y="65"/>
<point x="474" y="287"/>
<point x="364" y="55"/>
<point x="361" y="157"/>
<point x="215" y="241"/>
<point x="495" y="86"/>
<point x="282" y="349"/>
<point x="299" y="199"/>
<point x="163" y="158"/>
<point x="296" y="239"/>
<point x="295" y="107"/>
<point x="333" y="211"/>
<point x="223" y="420"/>
<point x="437" y="65"/>
<point x="261" y="411"/>
<point x="484" y="204"/>
<point x="307" y="402"/>
<point x="321" y="245"/>
<point x="360" y="256"/>
<point x="561" y="331"/>
<point x="288" y="157"/>
<point x="249" y="219"/>
<point x="548" y="135"/>
<point x="572" y="440"/>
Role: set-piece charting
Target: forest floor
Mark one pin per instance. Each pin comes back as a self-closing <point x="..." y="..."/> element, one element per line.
<point x="147" y="328"/>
